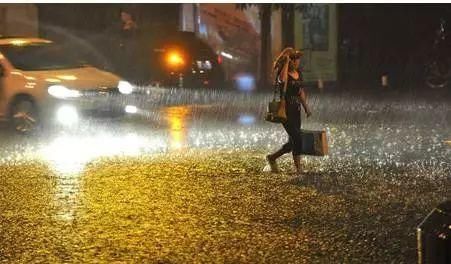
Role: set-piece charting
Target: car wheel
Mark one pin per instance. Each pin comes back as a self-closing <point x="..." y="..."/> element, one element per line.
<point x="24" y="115"/>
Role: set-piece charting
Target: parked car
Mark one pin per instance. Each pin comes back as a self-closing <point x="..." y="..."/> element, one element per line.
<point x="42" y="82"/>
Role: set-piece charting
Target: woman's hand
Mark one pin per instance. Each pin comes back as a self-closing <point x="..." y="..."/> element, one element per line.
<point x="303" y="98"/>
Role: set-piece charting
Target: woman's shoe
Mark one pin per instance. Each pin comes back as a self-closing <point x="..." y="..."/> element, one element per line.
<point x="272" y="164"/>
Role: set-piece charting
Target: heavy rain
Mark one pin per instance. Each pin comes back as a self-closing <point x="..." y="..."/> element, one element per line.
<point x="181" y="177"/>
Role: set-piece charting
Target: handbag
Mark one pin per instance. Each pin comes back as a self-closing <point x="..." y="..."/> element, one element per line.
<point x="276" y="112"/>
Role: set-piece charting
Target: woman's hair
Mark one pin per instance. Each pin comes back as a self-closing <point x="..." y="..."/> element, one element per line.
<point x="280" y="60"/>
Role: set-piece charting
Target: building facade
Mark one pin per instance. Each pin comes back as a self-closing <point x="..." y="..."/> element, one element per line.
<point x="235" y="33"/>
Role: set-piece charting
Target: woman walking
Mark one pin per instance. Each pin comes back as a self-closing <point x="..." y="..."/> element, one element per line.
<point x="289" y="78"/>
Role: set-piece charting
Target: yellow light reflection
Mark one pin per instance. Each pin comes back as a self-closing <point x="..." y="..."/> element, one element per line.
<point x="177" y="120"/>
<point x="30" y="85"/>
<point x="18" y="42"/>
<point x="53" y="80"/>
<point x="67" y="77"/>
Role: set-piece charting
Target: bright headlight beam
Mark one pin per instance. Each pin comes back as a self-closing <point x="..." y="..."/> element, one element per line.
<point x="60" y="91"/>
<point x="67" y="115"/>
<point x="125" y="87"/>
<point x="131" y="109"/>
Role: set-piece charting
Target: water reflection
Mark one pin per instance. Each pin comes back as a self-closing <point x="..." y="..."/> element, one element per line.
<point x="69" y="154"/>
<point x="177" y="118"/>
<point x="246" y="119"/>
<point x="66" y="196"/>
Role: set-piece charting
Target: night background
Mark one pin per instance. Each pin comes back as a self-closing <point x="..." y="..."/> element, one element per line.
<point x="372" y="38"/>
<point x="137" y="133"/>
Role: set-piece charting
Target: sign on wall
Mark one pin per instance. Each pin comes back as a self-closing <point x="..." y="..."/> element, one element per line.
<point x="316" y="27"/>
<point x="316" y="34"/>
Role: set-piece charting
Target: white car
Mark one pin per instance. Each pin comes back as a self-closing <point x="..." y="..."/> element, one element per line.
<point x="40" y="82"/>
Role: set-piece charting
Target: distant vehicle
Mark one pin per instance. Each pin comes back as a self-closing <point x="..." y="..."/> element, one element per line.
<point x="40" y="82"/>
<point x="183" y="60"/>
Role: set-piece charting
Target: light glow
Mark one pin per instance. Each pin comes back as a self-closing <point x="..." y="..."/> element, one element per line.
<point x="125" y="87"/>
<point x="69" y="154"/>
<point x="67" y="77"/>
<point x="226" y="55"/>
<point x="174" y="58"/>
<point x="131" y="109"/>
<point x="60" y="91"/>
<point x="245" y="82"/>
<point x="19" y="42"/>
<point x="67" y="115"/>
<point x="53" y="80"/>
<point x="246" y="119"/>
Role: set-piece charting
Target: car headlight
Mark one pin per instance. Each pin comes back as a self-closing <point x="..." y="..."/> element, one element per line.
<point x="125" y="87"/>
<point x="60" y="91"/>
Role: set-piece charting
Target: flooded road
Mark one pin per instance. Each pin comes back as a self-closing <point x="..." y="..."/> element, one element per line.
<point x="183" y="179"/>
<point x="380" y="131"/>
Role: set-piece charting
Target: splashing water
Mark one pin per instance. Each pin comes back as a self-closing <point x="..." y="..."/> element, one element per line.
<point x="362" y="130"/>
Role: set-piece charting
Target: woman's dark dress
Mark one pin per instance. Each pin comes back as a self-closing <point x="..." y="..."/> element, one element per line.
<point x="293" y="110"/>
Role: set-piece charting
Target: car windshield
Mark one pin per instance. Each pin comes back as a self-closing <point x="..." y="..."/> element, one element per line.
<point x="40" y="56"/>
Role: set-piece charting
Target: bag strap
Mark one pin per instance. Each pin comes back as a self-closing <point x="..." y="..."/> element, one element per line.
<point x="277" y="89"/>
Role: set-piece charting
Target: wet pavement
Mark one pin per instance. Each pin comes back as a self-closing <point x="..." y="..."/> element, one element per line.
<point x="184" y="180"/>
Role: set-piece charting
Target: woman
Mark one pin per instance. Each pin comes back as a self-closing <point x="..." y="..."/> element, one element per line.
<point x="290" y="79"/>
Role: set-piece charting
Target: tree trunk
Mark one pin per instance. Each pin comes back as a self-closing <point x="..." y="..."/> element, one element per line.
<point x="265" y="51"/>
<point x="288" y="25"/>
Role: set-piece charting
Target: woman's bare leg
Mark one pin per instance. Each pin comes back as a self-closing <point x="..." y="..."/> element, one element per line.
<point x="271" y="158"/>
<point x="297" y="164"/>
